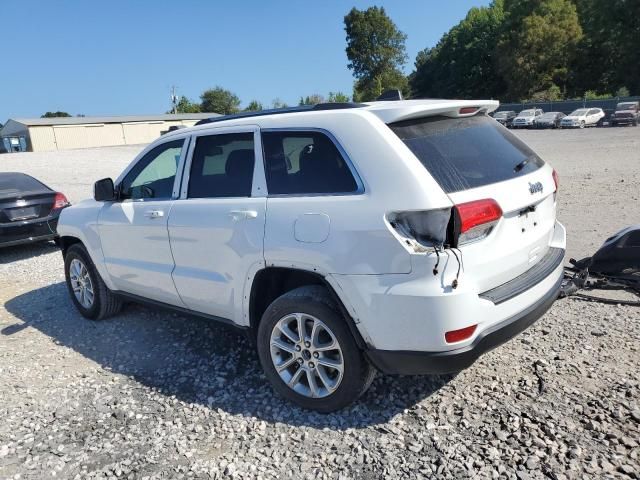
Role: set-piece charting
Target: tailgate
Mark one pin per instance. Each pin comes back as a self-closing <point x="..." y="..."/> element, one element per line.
<point x="521" y="237"/>
<point x="475" y="158"/>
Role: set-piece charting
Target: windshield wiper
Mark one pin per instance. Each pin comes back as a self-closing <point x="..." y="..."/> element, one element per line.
<point x="521" y="165"/>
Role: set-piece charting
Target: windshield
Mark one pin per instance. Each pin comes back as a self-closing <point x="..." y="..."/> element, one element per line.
<point x="548" y="116"/>
<point x="526" y="113"/>
<point x="626" y="106"/>
<point x="580" y="112"/>
<point x="500" y="115"/>
<point x="463" y="153"/>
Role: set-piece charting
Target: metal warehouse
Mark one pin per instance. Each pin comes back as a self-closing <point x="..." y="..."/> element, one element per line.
<point x="62" y="133"/>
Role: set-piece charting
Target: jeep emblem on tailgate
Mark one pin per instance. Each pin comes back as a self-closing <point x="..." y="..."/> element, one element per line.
<point x="535" y="187"/>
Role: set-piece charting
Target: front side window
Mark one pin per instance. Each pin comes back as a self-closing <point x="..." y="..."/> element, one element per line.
<point x="154" y="174"/>
<point x="305" y="163"/>
<point x="222" y="166"/>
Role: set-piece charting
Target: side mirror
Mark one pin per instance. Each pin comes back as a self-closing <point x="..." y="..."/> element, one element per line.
<point x="103" y="190"/>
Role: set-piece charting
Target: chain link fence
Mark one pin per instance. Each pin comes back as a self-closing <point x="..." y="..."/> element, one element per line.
<point x="568" y="106"/>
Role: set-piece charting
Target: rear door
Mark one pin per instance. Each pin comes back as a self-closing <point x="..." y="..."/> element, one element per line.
<point x="216" y="228"/>
<point x="472" y="159"/>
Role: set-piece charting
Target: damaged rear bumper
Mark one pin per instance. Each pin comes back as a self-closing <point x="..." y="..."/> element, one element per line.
<point x="419" y="363"/>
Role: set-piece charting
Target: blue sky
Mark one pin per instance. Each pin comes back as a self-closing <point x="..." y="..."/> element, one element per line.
<point x="121" y="57"/>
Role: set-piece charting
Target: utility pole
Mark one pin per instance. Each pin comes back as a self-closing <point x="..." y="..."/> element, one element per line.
<point x="174" y="99"/>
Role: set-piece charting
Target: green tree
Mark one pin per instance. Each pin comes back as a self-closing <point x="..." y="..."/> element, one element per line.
<point x="463" y="64"/>
<point x="622" y="92"/>
<point x="219" y="100"/>
<point x="608" y="56"/>
<point x="376" y="52"/>
<point x="277" y="103"/>
<point x="254" y="106"/>
<point x="338" y="97"/>
<point x="55" y="114"/>
<point x="185" y="105"/>
<point x="539" y="42"/>
<point x="311" y="99"/>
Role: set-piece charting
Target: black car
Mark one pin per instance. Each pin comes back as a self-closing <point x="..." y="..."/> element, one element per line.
<point x="549" y="120"/>
<point x="29" y="210"/>
<point x="505" y="118"/>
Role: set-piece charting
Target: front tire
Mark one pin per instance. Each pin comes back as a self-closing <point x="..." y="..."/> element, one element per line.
<point x="308" y="353"/>
<point x="582" y="124"/>
<point x="88" y="292"/>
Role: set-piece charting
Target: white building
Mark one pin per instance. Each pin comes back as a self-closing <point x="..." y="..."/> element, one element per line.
<point x="62" y="133"/>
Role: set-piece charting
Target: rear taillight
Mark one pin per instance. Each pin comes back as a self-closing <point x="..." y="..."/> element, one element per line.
<point x="60" y="201"/>
<point x="556" y="180"/>
<point x="475" y="220"/>
<point x="459" y="335"/>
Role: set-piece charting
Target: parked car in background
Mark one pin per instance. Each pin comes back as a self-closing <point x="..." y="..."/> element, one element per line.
<point x="548" y="120"/>
<point x="29" y="210"/>
<point x="583" y="117"/>
<point x="288" y="225"/>
<point x="526" y="118"/>
<point x="627" y="113"/>
<point x="505" y="118"/>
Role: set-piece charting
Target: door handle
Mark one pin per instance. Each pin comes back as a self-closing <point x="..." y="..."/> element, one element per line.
<point x="154" y="213"/>
<point x="237" y="215"/>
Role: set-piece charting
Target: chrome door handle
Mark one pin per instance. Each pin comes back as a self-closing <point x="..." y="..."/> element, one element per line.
<point x="154" y="213"/>
<point x="237" y="215"/>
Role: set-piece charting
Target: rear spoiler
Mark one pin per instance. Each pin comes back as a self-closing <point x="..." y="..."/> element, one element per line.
<point x="396" y="111"/>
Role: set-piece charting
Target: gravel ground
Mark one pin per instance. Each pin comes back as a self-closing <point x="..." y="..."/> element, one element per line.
<point x="150" y="394"/>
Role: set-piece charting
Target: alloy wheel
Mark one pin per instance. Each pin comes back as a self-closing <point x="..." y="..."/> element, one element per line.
<point x="306" y="355"/>
<point x="81" y="283"/>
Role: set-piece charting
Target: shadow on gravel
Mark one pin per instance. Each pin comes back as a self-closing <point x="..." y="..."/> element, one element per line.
<point x="22" y="252"/>
<point x="198" y="361"/>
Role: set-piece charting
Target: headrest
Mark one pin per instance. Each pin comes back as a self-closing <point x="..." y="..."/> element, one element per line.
<point x="240" y="162"/>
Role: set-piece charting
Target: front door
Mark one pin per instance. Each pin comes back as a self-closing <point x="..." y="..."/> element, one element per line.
<point x="133" y="230"/>
<point x="216" y="228"/>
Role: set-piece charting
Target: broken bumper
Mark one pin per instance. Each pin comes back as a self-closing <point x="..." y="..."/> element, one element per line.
<point x="419" y="363"/>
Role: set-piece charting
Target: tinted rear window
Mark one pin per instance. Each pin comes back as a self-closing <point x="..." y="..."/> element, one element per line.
<point x="18" y="182"/>
<point x="464" y="153"/>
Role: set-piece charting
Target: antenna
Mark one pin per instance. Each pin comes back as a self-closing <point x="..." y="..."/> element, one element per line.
<point x="174" y="99"/>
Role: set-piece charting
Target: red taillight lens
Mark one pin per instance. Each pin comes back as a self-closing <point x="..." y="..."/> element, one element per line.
<point x="459" y="335"/>
<point x="556" y="180"/>
<point x="467" y="110"/>
<point x="476" y="219"/>
<point x="60" y="201"/>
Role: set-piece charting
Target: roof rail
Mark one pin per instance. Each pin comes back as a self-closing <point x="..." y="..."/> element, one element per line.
<point x="279" y="111"/>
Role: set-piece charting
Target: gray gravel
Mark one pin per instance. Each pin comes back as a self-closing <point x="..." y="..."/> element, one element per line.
<point x="151" y="394"/>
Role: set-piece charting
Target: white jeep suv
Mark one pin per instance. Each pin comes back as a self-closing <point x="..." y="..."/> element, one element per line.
<point x="403" y="236"/>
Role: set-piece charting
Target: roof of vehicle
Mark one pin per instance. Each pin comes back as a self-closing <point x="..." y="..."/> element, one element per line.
<point x="387" y="111"/>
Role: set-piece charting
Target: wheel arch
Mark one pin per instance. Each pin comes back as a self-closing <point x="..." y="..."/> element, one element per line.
<point x="271" y="282"/>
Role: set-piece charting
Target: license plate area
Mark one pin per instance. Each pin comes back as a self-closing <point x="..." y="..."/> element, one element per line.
<point x="23" y="213"/>
<point x="528" y="219"/>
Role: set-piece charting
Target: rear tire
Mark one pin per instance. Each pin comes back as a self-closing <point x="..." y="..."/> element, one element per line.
<point x="88" y="292"/>
<point x="323" y="372"/>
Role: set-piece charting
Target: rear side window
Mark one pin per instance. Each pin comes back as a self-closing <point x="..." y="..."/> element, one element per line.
<point x="305" y="163"/>
<point x="464" y="153"/>
<point x="222" y="166"/>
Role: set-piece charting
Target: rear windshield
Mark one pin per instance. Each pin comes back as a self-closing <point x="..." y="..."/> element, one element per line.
<point x="464" y="153"/>
<point x="11" y="183"/>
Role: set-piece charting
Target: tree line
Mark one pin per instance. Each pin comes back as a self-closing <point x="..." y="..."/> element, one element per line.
<point x="517" y="50"/>
<point x="512" y="50"/>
